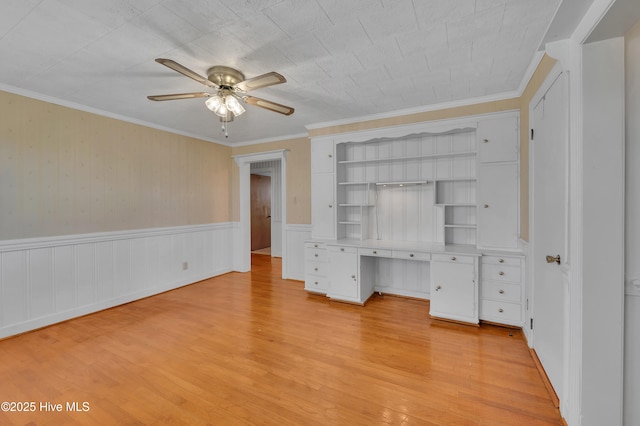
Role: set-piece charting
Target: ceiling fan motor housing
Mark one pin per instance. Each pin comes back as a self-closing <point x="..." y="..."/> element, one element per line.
<point x="224" y="76"/>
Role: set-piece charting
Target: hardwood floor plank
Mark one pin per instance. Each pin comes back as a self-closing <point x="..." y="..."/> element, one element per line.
<point x="252" y="348"/>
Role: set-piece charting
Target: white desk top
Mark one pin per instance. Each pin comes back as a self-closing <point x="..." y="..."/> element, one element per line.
<point x="417" y="246"/>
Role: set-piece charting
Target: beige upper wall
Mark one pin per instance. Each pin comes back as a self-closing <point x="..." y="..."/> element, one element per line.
<point x="298" y="177"/>
<point x="545" y="66"/>
<point x="64" y="171"/>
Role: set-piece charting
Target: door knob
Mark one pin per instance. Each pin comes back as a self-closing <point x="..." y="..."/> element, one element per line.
<point x="552" y="259"/>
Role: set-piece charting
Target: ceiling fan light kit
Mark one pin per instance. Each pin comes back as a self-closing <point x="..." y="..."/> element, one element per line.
<point x="230" y="87"/>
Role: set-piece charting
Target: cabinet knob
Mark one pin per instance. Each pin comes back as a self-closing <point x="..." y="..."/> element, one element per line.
<point x="375" y="252"/>
<point x="485" y="140"/>
<point x="330" y="206"/>
<point x="501" y="310"/>
<point x="316" y="283"/>
<point x="316" y="255"/>
<point x="501" y="291"/>
<point x="354" y="277"/>
<point x="500" y="273"/>
<point x="315" y="245"/>
<point x="438" y="287"/>
<point x="411" y="255"/>
<point x="453" y="258"/>
<point x="330" y="156"/>
<point x="341" y="248"/>
<point x="316" y="269"/>
<point x="486" y="206"/>
<point x="501" y="261"/>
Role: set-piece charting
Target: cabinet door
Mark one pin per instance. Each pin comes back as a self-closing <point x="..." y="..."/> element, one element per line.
<point x="453" y="291"/>
<point x="498" y="140"/>
<point x="498" y="206"/>
<point x="343" y="274"/>
<point x="322" y="156"/>
<point x="323" y="211"/>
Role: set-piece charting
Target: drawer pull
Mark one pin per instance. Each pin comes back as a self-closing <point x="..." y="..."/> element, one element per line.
<point x="330" y="206"/>
<point x="486" y="206"/>
<point x="501" y="310"/>
<point x="375" y="252"/>
<point x="354" y="277"/>
<point x="500" y="273"/>
<point x="316" y="255"/>
<point x="453" y="258"/>
<point x="499" y="291"/>
<point x="330" y="156"/>
<point x="341" y="248"/>
<point x="501" y="261"/>
<point x="438" y="288"/>
<point x="315" y="245"/>
<point x="316" y="283"/>
<point x="316" y="269"/>
<point x="485" y="140"/>
<point x="411" y="255"/>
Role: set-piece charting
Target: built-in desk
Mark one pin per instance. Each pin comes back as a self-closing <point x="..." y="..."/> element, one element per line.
<point x="448" y="275"/>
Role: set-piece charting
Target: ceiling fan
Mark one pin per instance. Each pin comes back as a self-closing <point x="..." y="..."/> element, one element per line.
<point x="229" y="90"/>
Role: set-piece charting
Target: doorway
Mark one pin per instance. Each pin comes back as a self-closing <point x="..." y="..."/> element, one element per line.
<point x="242" y="242"/>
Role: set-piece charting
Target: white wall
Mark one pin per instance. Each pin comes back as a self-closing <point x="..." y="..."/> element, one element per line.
<point x="48" y="280"/>
<point x="632" y="298"/>
<point x="603" y="236"/>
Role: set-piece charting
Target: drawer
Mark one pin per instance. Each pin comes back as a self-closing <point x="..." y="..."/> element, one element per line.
<point x="452" y="258"/>
<point x="411" y="255"/>
<point x="502" y="312"/>
<point x="499" y="260"/>
<point x="315" y="254"/>
<point x="374" y="252"/>
<point x="316" y="267"/>
<point x="501" y="273"/>
<point x="316" y="283"/>
<point x="315" y="245"/>
<point x="501" y="291"/>
<point x="343" y="249"/>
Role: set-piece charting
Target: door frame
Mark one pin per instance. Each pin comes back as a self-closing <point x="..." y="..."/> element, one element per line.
<point x="242" y="251"/>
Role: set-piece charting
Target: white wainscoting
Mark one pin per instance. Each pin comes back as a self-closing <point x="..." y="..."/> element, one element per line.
<point x="47" y="280"/>
<point x="294" y="265"/>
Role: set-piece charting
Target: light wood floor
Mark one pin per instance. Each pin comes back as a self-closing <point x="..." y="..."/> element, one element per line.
<point x="253" y="349"/>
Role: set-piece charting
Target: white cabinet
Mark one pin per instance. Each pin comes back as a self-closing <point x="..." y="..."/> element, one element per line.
<point x="343" y="274"/>
<point x="501" y="289"/>
<point x="454" y="294"/>
<point x="498" y="206"/>
<point x="323" y="209"/>
<point x="498" y="140"/>
<point x="316" y="267"/>
<point x="322" y="156"/>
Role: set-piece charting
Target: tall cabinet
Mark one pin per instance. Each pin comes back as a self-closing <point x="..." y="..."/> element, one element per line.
<point x="444" y="192"/>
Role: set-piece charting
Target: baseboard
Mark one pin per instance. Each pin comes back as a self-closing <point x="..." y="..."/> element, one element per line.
<point x="543" y="374"/>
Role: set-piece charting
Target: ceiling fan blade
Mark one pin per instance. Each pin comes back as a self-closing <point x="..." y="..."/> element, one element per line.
<point x="264" y="80"/>
<point x="271" y="106"/>
<point x="179" y="96"/>
<point x="186" y="72"/>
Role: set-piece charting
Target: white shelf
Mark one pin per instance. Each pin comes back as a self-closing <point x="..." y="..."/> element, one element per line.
<point x="350" y="223"/>
<point x="414" y="157"/>
<point x="356" y="205"/>
<point x="460" y="226"/>
<point x="456" y="204"/>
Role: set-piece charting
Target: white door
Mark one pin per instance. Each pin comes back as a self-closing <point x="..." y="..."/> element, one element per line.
<point x="549" y="225"/>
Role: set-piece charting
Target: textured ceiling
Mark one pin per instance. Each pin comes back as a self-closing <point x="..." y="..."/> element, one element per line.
<point x="343" y="59"/>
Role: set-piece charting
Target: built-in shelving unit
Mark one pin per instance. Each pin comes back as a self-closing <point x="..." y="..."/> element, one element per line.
<point x="394" y="189"/>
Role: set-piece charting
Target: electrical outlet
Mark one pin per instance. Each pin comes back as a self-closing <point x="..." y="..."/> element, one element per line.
<point x="185" y="266"/>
